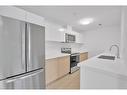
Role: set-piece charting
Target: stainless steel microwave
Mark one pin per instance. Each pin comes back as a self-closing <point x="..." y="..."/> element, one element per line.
<point x="69" y="38"/>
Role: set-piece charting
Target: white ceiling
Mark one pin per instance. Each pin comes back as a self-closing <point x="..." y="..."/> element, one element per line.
<point x="70" y="15"/>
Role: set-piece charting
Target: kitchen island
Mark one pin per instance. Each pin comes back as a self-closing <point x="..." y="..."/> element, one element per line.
<point x="97" y="73"/>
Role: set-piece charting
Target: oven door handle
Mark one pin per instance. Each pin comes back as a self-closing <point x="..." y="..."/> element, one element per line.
<point x="75" y="55"/>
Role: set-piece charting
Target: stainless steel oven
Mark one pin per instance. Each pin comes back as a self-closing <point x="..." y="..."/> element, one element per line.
<point x="74" y="60"/>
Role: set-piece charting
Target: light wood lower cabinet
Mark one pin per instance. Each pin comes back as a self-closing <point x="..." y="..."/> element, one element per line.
<point x="83" y="56"/>
<point x="56" y="68"/>
<point x="51" y="70"/>
<point x="63" y="66"/>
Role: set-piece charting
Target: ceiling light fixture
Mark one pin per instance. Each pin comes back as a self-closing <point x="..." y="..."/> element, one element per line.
<point x="61" y="29"/>
<point x="86" y="21"/>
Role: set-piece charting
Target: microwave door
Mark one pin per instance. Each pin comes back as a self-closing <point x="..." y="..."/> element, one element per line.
<point x="35" y="46"/>
<point x="69" y="38"/>
<point x="12" y="60"/>
<point x="72" y="38"/>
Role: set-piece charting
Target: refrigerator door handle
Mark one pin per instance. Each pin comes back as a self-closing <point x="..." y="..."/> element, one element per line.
<point x="20" y="77"/>
<point x="28" y="46"/>
<point x="23" y="55"/>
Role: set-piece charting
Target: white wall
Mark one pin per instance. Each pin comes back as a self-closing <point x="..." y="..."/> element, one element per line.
<point x="124" y="35"/>
<point x="99" y="40"/>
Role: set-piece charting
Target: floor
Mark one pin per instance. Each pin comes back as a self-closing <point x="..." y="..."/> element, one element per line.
<point x="70" y="81"/>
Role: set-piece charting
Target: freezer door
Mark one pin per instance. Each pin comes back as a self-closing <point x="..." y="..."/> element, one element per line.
<point x="11" y="47"/>
<point x="35" y="45"/>
<point x="31" y="80"/>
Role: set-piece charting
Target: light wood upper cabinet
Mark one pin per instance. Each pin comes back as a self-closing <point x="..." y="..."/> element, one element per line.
<point x="56" y="68"/>
<point x="83" y="56"/>
<point x="63" y="65"/>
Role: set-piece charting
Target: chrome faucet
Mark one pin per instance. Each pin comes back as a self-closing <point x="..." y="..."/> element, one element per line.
<point x="118" y="56"/>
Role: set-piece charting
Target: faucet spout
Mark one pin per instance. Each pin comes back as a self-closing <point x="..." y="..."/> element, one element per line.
<point x="118" y="55"/>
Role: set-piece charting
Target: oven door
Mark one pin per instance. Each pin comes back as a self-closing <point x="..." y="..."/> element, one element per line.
<point x="74" y="60"/>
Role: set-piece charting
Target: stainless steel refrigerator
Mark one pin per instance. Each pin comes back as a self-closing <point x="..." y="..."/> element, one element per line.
<point x="22" y="55"/>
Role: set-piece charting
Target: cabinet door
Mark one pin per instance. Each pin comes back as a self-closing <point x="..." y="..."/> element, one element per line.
<point x="13" y="12"/>
<point x="52" y="32"/>
<point x="35" y="19"/>
<point x="83" y="56"/>
<point x="51" y="68"/>
<point x="63" y="66"/>
<point x="78" y="38"/>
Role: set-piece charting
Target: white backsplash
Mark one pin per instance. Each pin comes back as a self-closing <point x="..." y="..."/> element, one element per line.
<point x="55" y="47"/>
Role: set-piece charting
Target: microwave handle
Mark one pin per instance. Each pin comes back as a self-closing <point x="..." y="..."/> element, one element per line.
<point x="66" y="37"/>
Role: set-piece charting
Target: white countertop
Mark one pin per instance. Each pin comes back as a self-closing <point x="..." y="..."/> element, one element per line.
<point x="113" y="66"/>
<point x="80" y="51"/>
<point x="50" y="56"/>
